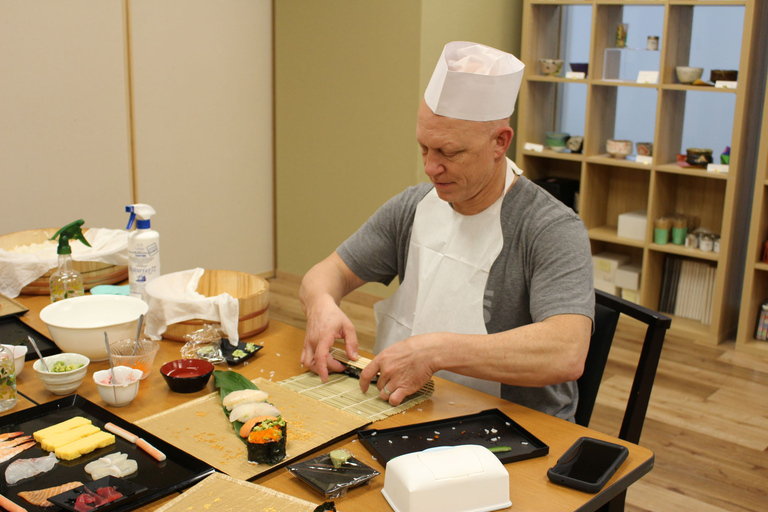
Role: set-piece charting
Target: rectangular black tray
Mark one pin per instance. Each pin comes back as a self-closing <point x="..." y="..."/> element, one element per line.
<point x="228" y="350"/>
<point x="487" y="428"/>
<point x="179" y="471"/>
<point x="13" y="331"/>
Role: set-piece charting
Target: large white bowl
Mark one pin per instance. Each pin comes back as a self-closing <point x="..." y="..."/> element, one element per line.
<point x="19" y="356"/>
<point x="78" y="324"/>
<point x="62" y="383"/>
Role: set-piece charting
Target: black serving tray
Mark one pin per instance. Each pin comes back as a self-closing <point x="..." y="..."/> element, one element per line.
<point x="227" y="349"/>
<point x="14" y="332"/>
<point x="487" y="428"/>
<point x="128" y="489"/>
<point x="179" y="471"/>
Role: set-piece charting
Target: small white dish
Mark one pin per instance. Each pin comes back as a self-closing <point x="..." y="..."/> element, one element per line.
<point x="123" y="390"/>
<point x="19" y="355"/>
<point x="62" y="383"/>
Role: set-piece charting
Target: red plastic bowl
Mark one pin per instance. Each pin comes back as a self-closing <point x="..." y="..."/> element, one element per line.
<point x="187" y="375"/>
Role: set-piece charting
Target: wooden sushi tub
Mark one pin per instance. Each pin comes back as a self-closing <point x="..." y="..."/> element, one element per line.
<point x="94" y="273"/>
<point x="251" y="292"/>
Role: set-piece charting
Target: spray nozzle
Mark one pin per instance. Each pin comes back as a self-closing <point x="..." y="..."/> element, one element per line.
<point x="71" y="230"/>
<point x="143" y="211"/>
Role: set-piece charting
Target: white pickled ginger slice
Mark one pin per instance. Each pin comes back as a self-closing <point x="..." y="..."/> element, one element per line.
<point x="107" y="460"/>
<point x="244" y="396"/>
<point x="244" y="412"/>
<point x="121" y="469"/>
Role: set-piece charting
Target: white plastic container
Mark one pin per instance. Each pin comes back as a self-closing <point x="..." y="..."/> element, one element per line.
<point x="466" y="478"/>
<point x="143" y="249"/>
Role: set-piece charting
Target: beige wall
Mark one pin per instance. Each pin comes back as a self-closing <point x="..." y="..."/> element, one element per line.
<point x="349" y="78"/>
<point x="202" y="125"/>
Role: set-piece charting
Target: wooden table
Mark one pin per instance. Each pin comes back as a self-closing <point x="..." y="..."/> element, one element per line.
<point x="529" y="487"/>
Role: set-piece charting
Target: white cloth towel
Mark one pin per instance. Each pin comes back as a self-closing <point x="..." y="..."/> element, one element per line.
<point x="173" y="298"/>
<point x="18" y="269"/>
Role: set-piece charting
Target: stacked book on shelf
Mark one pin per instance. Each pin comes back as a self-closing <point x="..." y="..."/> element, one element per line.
<point x="688" y="288"/>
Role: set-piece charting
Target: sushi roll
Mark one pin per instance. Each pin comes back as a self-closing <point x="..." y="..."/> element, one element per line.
<point x="267" y="440"/>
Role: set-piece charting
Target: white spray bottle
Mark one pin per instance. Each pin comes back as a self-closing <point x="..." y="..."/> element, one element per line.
<point x="143" y="249"/>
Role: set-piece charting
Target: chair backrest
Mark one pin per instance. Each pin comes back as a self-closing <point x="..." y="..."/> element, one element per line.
<point x="607" y="311"/>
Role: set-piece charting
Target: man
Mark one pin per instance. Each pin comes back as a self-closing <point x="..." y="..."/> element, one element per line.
<point x="495" y="274"/>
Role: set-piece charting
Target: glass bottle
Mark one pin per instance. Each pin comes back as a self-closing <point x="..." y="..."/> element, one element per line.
<point x="7" y="379"/>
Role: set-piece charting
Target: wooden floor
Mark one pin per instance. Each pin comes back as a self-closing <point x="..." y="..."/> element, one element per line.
<point x="707" y="421"/>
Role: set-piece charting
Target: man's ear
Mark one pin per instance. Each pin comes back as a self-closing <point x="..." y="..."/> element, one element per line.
<point x="503" y="139"/>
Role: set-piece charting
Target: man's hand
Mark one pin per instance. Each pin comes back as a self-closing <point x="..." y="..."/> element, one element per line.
<point x="326" y="322"/>
<point x="403" y="368"/>
<point x="321" y="292"/>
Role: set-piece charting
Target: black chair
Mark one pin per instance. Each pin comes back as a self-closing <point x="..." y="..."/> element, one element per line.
<point x="608" y="308"/>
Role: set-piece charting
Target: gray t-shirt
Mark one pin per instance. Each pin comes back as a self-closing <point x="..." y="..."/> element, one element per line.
<point x="544" y="269"/>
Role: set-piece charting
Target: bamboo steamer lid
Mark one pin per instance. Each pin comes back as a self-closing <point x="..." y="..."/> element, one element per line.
<point x="93" y="272"/>
<point x="251" y="292"/>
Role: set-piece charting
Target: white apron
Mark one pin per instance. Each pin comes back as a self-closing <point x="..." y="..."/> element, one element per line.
<point x="449" y="259"/>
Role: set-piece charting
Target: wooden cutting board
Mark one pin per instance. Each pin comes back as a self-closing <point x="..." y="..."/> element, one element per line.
<point x="201" y="428"/>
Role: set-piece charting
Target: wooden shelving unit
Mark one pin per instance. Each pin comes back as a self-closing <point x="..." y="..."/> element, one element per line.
<point x="610" y="187"/>
<point x="755" y="290"/>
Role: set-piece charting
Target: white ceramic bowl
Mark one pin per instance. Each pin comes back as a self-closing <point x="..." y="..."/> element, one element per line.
<point x="78" y="324"/>
<point x="19" y="355"/>
<point x="125" y="388"/>
<point x="62" y="383"/>
<point x="688" y="74"/>
<point x="618" y="148"/>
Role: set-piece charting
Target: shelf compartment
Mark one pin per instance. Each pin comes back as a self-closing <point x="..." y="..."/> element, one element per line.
<point x="610" y="234"/>
<point x="619" y="190"/>
<point x="610" y="116"/>
<point x="697" y="197"/>
<point x="549" y="164"/>
<point x="562" y="109"/>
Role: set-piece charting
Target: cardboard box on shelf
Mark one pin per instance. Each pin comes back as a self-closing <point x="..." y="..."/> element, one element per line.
<point x="607" y="287"/>
<point x="628" y="277"/>
<point x="606" y="263"/>
<point x="631" y="295"/>
<point x="633" y="224"/>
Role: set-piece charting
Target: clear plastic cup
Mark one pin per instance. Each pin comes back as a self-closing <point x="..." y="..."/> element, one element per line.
<point x="122" y="353"/>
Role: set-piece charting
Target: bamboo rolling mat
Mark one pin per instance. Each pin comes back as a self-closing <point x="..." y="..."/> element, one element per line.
<point x="201" y="428"/>
<point x="343" y="392"/>
<point x="222" y="493"/>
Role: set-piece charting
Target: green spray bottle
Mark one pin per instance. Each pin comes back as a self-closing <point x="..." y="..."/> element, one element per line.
<point x="67" y="282"/>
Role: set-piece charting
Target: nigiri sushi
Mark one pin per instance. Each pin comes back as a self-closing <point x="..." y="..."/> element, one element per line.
<point x="245" y="411"/>
<point x="243" y="396"/>
<point x="25" y="468"/>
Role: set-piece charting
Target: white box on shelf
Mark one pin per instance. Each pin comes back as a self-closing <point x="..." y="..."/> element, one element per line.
<point x="607" y="287"/>
<point x="633" y="224"/>
<point x="605" y="265"/>
<point x="628" y="277"/>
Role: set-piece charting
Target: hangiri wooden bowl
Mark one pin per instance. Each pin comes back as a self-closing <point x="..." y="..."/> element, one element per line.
<point x="251" y="292"/>
<point x="93" y="272"/>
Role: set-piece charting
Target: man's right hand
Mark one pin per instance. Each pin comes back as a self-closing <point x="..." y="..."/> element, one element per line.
<point x="326" y="323"/>
<point x="321" y="292"/>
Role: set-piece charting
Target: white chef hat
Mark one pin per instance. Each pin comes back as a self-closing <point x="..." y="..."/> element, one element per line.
<point x="474" y="82"/>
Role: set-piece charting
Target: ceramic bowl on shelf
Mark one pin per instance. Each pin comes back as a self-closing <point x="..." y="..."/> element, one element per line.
<point x="644" y="148"/>
<point x="724" y="75"/>
<point x="579" y="67"/>
<point x="698" y="157"/>
<point x="556" y="141"/>
<point x="550" y="67"/>
<point x="187" y="375"/>
<point x="618" y="148"/>
<point x="688" y="74"/>
<point x="574" y="144"/>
